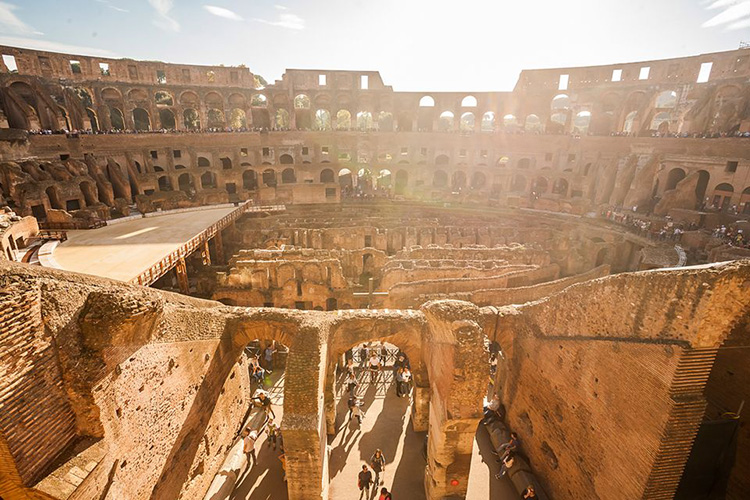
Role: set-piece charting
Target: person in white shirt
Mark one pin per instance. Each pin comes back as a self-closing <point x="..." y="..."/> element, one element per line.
<point x="248" y="445"/>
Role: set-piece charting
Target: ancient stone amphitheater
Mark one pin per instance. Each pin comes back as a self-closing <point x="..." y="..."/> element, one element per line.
<point x="588" y="227"/>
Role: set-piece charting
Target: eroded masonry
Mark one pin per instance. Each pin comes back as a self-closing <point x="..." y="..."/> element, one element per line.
<point x="587" y="232"/>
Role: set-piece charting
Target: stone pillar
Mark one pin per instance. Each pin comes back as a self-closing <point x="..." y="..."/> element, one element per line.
<point x="303" y="426"/>
<point x="182" y="278"/>
<point x="206" y="254"/>
<point x="219" y="248"/>
<point x="420" y="417"/>
<point x="457" y="364"/>
<point x="330" y="399"/>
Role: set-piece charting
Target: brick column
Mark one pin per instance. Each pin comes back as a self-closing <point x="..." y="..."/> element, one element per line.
<point x="182" y="278"/>
<point x="219" y="248"/>
<point x="457" y="364"/>
<point x="206" y="254"/>
<point x="303" y="426"/>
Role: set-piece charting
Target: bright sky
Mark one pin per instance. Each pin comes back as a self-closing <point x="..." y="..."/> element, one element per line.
<point x="438" y="45"/>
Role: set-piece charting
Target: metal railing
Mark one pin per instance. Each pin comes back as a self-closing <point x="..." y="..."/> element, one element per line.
<point x="53" y="235"/>
<point x="156" y="271"/>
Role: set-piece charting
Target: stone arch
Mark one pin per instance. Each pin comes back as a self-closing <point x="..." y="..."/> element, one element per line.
<point x="53" y="196"/>
<point x="191" y="119"/>
<point x="141" y="119"/>
<point x="346" y="179"/>
<point x="185" y="183"/>
<point x="364" y="120"/>
<point x="488" y="122"/>
<point x="288" y="176"/>
<point x="446" y="121"/>
<point x="286" y="159"/>
<point x="469" y="102"/>
<point x="165" y="184"/>
<point x="327" y="176"/>
<point x="204" y="162"/>
<point x="116" y="118"/>
<point x="385" y="121"/>
<point x="215" y="118"/>
<point x="343" y="119"/>
<point x="237" y="118"/>
<point x="322" y="120"/>
<point x="533" y="123"/>
<point x="269" y="177"/>
<point x="90" y="195"/>
<point x="208" y="180"/>
<point x="540" y="185"/>
<point x="249" y="180"/>
<point x="478" y="180"/>
<point x="673" y="178"/>
<point x="467" y="122"/>
<point x="560" y="187"/>
<point x="166" y="118"/>
<point x="458" y="180"/>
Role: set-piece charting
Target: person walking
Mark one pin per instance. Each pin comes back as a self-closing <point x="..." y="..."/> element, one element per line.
<point x="377" y="462"/>
<point x="265" y="402"/>
<point x="268" y="357"/>
<point x="384" y="494"/>
<point x="364" y="480"/>
<point x="399" y="382"/>
<point x="351" y="384"/>
<point x="355" y="410"/>
<point x="374" y="366"/>
<point x="248" y="446"/>
<point x="406" y="381"/>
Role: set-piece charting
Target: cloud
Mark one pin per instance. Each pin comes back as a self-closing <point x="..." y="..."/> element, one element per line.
<point x="12" y="24"/>
<point x="736" y="14"/>
<point x="32" y="43"/>
<point x="286" y="20"/>
<point x="113" y="7"/>
<point x="222" y="12"/>
<point x="164" y="20"/>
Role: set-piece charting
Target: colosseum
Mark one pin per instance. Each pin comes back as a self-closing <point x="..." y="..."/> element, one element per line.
<point x="216" y="289"/>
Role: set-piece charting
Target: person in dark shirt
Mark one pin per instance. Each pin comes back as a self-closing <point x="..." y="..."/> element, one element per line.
<point x="529" y="493"/>
<point x="364" y="480"/>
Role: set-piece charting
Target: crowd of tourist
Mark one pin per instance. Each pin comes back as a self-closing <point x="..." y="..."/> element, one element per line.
<point x="506" y="131"/>
<point x="667" y="230"/>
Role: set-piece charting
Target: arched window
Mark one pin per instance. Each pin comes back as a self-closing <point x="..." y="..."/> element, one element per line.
<point x="286" y="159"/>
<point x="258" y="101"/>
<point x="327" y="176"/>
<point x="364" y="120"/>
<point x="215" y="118"/>
<point x="163" y="98"/>
<point x="166" y="117"/>
<point x="269" y="178"/>
<point x="666" y="100"/>
<point x="165" y="184"/>
<point x="661" y="122"/>
<point x="560" y="187"/>
<point x="442" y="160"/>
<point x="208" y="180"/>
<point x="581" y="122"/>
<point x="533" y="123"/>
<point x="510" y="121"/>
<point x="627" y="127"/>
<point x="427" y="102"/>
<point x="478" y="180"/>
<point x="343" y="120"/>
<point x="385" y="121"/>
<point x="249" y="180"/>
<point x="192" y="121"/>
<point x="282" y="119"/>
<point x="141" y="120"/>
<point x="302" y="102"/>
<point x="469" y="102"/>
<point x="673" y="178"/>
<point x="322" y="120"/>
<point x="203" y="162"/>
<point x="446" y="121"/>
<point x="503" y="161"/>
<point x="116" y="118"/>
<point x="288" y="176"/>
<point x="488" y="122"/>
<point x="237" y="119"/>
<point x="467" y="122"/>
<point x="185" y="183"/>
<point x="560" y="102"/>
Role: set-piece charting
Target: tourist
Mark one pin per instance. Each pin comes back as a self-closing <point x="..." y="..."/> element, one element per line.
<point x="364" y="480"/>
<point x="259" y="374"/>
<point x="364" y="353"/>
<point x="265" y="402"/>
<point x="272" y="432"/>
<point x="493" y="364"/>
<point x="511" y="445"/>
<point x="351" y="383"/>
<point x="508" y="461"/>
<point x="405" y="381"/>
<point x="350" y="366"/>
<point x="493" y="411"/>
<point x="384" y="494"/>
<point x="377" y="461"/>
<point x="529" y="492"/>
<point x="355" y="410"/>
<point x="268" y="356"/>
<point x="399" y="382"/>
<point x="282" y="459"/>
<point x="374" y="366"/>
<point x="248" y="445"/>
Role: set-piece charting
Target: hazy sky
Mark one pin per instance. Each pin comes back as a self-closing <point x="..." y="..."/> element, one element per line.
<point x="415" y="44"/>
